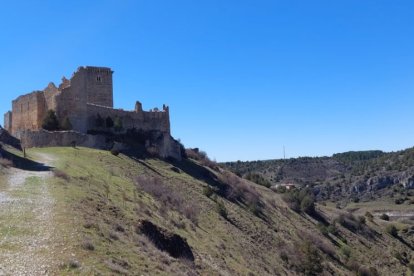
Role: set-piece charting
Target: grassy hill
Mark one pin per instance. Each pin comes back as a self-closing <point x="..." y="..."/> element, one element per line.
<point x="95" y="213"/>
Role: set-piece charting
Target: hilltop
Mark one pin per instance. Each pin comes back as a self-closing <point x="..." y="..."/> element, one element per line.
<point x="87" y="211"/>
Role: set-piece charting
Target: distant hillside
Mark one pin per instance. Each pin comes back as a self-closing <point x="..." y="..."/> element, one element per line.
<point x="345" y="176"/>
<point x="108" y="214"/>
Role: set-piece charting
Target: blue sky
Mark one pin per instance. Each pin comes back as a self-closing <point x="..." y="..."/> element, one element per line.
<point x="243" y="78"/>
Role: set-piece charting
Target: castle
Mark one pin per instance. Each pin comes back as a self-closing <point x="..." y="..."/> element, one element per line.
<point x="82" y="99"/>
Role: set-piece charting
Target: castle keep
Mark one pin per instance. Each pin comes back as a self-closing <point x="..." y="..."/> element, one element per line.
<point x="80" y="99"/>
<point x="84" y="99"/>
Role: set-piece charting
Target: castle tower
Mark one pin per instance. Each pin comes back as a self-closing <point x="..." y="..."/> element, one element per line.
<point x="99" y="86"/>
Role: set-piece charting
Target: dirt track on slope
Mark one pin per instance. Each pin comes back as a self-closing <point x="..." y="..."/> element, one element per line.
<point x="28" y="237"/>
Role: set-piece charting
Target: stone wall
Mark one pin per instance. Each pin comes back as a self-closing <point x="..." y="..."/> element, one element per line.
<point x="166" y="147"/>
<point x="43" y="138"/>
<point x="28" y="112"/>
<point x="158" y="121"/>
<point x="8" y="116"/>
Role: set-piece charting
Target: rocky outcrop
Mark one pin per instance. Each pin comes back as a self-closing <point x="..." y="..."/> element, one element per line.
<point x="7" y="139"/>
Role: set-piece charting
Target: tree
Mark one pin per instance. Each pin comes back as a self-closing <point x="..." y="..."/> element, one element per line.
<point x="118" y="124"/>
<point x="109" y="122"/>
<point x="99" y="122"/>
<point x="50" y="122"/>
<point x="66" y="124"/>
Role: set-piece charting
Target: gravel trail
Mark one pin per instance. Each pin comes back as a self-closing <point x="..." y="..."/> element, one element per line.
<point x="28" y="237"/>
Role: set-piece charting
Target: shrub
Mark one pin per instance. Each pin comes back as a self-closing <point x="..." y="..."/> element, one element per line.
<point x="369" y="216"/>
<point x="221" y="209"/>
<point x="385" y="217"/>
<point x="353" y="224"/>
<point x="87" y="245"/>
<point x="399" y="201"/>
<point x="392" y="230"/>
<point x="109" y="123"/>
<point x="258" y="179"/>
<point x="332" y="229"/>
<point x="6" y="163"/>
<point x="202" y="157"/>
<point x="61" y="174"/>
<point x="66" y="124"/>
<point x="73" y="264"/>
<point x="115" y="152"/>
<point x="50" y="121"/>
<point x="362" y="220"/>
<point x="99" y="121"/>
<point x="311" y="264"/>
<point x="300" y="201"/>
<point x="346" y="251"/>
<point x="208" y="191"/>
<point x="307" y="205"/>
<point x="238" y="190"/>
<point x="411" y="267"/>
<point x="118" y="126"/>
<point x="168" y="198"/>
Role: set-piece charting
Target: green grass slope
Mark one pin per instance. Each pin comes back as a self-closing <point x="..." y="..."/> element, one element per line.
<point x="232" y="226"/>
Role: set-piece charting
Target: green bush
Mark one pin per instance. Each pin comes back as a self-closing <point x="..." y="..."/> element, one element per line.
<point x="392" y="230"/>
<point x="346" y="251"/>
<point x="411" y="267"/>
<point x="369" y="216"/>
<point x="66" y="124"/>
<point x="307" y="205"/>
<point x="50" y="121"/>
<point x="311" y="264"/>
<point x="385" y="217"/>
<point x="208" y="191"/>
<point x="221" y="209"/>
<point x="258" y="179"/>
<point x="300" y="201"/>
<point x="118" y="126"/>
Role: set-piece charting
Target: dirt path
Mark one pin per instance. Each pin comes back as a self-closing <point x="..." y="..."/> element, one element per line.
<point x="28" y="235"/>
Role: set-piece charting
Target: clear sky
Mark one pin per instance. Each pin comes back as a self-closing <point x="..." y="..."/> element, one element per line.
<point x="243" y="78"/>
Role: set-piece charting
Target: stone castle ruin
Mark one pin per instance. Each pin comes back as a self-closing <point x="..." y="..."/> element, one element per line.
<point x="83" y="99"/>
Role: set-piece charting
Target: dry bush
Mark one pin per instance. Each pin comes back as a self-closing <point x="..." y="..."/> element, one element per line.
<point x="322" y="245"/>
<point x="239" y="190"/>
<point x="61" y="174"/>
<point x="6" y="163"/>
<point x="355" y="225"/>
<point x="202" y="157"/>
<point x="168" y="197"/>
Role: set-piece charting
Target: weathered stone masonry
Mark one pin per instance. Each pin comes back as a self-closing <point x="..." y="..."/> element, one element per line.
<point x="89" y="92"/>
<point x="81" y="98"/>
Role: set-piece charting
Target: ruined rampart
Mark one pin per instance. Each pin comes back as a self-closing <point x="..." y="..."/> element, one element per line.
<point x="43" y="138"/>
<point x="140" y="120"/>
